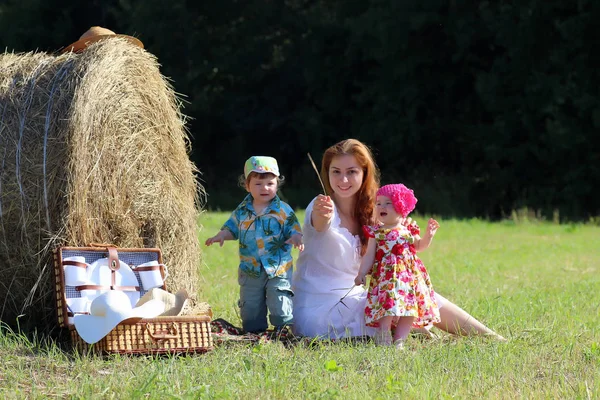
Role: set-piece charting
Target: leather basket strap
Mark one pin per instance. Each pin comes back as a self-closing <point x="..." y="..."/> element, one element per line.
<point x="75" y="264"/>
<point x="150" y="268"/>
<point x="71" y="314"/>
<point x="111" y="287"/>
<point x="113" y="264"/>
<point x="113" y="259"/>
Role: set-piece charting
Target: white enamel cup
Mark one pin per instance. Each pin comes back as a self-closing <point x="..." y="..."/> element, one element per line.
<point x="75" y="271"/>
<point x="79" y="305"/>
<point x="150" y="274"/>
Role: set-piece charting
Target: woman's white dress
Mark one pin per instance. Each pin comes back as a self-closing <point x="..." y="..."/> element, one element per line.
<point x="326" y="302"/>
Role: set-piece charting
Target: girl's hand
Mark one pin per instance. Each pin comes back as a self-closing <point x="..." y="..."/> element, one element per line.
<point x="296" y="241"/>
<point x="323" y="207"/>
<point x="432" y="226"/>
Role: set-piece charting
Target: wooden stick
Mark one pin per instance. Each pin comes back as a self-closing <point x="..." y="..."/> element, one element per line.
<point x="318" y="175"/>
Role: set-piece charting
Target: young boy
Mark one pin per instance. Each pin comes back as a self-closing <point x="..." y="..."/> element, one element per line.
<point x="266" y="229"/>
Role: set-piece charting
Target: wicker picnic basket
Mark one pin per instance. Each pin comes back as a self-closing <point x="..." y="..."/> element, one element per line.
<point x="178" y="334"/>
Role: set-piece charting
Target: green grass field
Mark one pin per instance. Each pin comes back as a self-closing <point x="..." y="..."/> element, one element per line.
<point x="536" y="283"/>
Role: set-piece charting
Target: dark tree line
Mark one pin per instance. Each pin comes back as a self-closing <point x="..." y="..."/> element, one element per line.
<point x="481" y="107"/>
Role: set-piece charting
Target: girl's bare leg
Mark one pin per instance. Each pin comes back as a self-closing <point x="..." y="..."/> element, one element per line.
<point x="383" y="337"/>
<point x="457" y="321"/>
<point x="403" y="328"/>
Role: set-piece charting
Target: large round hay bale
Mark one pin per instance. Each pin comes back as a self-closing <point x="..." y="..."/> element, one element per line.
<point x="93" y="149"/>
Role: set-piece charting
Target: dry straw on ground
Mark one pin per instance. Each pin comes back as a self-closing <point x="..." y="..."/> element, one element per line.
<point x="93" y="148"/>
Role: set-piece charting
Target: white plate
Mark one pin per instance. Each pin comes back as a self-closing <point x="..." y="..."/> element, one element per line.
<point x="100" y="274"/>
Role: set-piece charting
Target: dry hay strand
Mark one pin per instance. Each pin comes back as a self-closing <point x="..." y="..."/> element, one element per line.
<point x="93" y="149"/>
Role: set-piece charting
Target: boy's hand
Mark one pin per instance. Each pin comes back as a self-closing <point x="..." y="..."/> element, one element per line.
<point x="218" y="238"/>
<point x="296" y="241"/>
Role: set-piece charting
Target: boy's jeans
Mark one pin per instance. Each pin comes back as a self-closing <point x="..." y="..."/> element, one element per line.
<point x="259" y="294"/>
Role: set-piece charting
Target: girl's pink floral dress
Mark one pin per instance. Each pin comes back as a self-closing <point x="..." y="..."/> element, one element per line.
<point x="400" y="285"/>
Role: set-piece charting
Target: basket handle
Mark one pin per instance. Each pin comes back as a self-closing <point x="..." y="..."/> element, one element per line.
<point x="95" y="244"/>
<point x="163" y="335"/>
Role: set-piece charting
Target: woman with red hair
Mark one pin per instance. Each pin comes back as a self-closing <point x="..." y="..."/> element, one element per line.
<point x="327" y="303"/>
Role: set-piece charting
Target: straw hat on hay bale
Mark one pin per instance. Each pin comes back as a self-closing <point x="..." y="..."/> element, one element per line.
<point x="95" y="34"/>
<point x="93" y="148"/>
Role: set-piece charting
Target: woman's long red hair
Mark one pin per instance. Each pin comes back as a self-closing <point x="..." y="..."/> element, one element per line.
<point x="365" y="197"/>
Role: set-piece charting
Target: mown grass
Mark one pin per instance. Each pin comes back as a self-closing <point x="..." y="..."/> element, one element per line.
<point x="536" y="283"/>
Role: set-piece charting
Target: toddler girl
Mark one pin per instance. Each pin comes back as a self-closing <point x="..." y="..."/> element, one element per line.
<point x="400" y="291"/>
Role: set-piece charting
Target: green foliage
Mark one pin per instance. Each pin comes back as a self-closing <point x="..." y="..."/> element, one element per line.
<point x="331" y="366"/>
<point x="481" y="109"/>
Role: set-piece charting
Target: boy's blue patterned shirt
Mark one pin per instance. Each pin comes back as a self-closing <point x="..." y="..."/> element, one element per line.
<point x="262" y="237"/>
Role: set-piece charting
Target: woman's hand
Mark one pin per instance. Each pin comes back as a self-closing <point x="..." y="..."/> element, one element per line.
<point x="323" y="207"/>
<point x="408" y="221"/>
<point x="359" y="280"/>
<point x="322" y="213"/>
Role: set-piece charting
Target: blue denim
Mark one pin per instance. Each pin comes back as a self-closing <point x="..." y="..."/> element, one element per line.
<point x="259" y="294"/>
